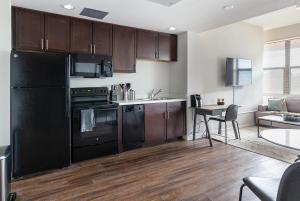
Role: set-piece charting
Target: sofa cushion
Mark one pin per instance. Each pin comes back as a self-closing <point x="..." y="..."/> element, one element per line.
<point x="293" y="105"/>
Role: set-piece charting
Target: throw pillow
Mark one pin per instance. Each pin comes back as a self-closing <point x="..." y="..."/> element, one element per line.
<point x="275" y="105"/>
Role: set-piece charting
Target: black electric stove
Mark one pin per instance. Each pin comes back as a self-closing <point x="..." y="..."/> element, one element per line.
<point x="94" y="123"/>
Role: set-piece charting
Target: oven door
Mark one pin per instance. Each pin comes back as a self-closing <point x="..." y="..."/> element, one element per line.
<point x="104" y="131"/>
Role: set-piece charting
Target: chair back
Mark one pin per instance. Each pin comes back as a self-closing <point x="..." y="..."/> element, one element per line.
<point x="289" y="188"/>
<point x="231" y="113"/>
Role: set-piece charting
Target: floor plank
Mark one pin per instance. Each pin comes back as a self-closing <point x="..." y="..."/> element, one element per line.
<point x="176" y="171"/>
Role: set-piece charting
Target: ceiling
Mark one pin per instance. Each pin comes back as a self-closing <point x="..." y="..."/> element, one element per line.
<point x="186" y="15"/>
<point x="276" y="19"/>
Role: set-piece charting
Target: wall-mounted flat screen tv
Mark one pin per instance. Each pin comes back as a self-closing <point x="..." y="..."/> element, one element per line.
<point x="238" y="72"/>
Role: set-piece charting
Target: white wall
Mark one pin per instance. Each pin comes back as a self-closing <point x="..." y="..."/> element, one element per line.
<point x="282" y="33"/>
<point x="178" y="70"/>
<point x="207" y="54"/>
<point x="5" y="47"/>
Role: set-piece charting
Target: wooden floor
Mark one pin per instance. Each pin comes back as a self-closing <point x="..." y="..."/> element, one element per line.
<point x="184" y="171"/>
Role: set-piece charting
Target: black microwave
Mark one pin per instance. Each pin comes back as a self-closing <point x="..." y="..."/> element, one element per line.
<point x="91" y="66"/>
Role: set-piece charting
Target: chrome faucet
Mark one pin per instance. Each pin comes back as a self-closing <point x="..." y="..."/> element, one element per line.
<point x="153" y="95"/>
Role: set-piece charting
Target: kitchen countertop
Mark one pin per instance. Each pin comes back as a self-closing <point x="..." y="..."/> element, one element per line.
<point x="144" y="101"/>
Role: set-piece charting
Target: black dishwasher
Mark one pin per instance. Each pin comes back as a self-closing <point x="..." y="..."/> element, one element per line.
<point x="133" y="127"/>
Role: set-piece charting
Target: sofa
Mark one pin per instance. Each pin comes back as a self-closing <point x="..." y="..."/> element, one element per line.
<point x="290" y="105"/>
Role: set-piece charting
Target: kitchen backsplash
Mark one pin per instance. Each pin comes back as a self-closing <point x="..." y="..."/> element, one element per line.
<point x="149" y="75"/>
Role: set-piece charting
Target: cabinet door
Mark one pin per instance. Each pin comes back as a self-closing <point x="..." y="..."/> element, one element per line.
<point x="28" y="30"/>
<point x="167" y="47"/>
<point x="124" y="49"/>
<point x="147" y="44"/>
<point x="81" y="36"/>
<point x="102" y="38"/>
<point x="57" y="33"/>
<point x="155" y="123"/>
<point x="176" y="120"/>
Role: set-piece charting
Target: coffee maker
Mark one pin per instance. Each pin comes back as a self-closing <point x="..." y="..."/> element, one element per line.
<point x="196" y="100"/>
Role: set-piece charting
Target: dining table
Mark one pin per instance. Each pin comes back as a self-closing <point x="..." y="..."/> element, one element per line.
<point x="208" y="110"/>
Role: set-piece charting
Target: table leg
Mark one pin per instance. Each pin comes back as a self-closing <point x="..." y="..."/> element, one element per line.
<point x="235" y="130"/>
<point x="207" y="130"/>
<point x="220" y="126"/>
<point x="298" y="159"/>
<point x="195" y="123"/>
<point x="258" y="130"/>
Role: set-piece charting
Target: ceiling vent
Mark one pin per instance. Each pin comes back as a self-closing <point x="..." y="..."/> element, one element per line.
<point x="165" y="2"/>
<point x="88" y="12"/>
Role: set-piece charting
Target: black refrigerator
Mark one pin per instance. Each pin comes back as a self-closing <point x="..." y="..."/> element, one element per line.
<point x="40" y="117"/>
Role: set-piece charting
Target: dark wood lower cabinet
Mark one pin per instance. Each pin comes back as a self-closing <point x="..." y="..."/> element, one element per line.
<point x="164" y="122"/>
<point x="155" y="123"/>
<point x="176" y="112"/>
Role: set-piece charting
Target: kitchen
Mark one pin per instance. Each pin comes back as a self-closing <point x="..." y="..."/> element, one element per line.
<point x="88" y="120"/>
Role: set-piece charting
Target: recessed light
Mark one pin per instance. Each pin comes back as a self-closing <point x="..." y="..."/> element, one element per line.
<point x="228" y="7"/>
<point x="68" y="7"/>
<point x="172" y="29"/>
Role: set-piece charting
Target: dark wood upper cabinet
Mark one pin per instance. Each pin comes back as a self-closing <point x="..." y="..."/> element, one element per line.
<point x="81" y="36"/>
<point x="102" y="38"/>
<point x="41" y="31"/>
<point x="147" y="42"/>
<point x="124" y="49"/>
<point x="167" y="47"/>
<point x="155" y="123"/>
<point x="156" y="46"/>
<point x="57" y="33"/>
<point x="28" y="30"/>
<point x="176" y="112"/>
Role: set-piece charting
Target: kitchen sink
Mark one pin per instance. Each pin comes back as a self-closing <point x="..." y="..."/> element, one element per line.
<point x="155" y="99"/>
<point x="163" y="98"/>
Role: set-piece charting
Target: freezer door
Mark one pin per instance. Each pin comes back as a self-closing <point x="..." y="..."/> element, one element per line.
<point x="38" y="69"/>
<point x="40" y="130"/>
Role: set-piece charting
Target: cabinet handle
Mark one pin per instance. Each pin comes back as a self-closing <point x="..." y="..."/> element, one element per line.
<point x="42" y="44"/>
<point x="168" y="116"/>
<point x="91" y="49"/>
<point x="155" y="55"/>
<point x="47" y="44"/>
<point x="165" y="115"/>
<point x="94" y="49"/>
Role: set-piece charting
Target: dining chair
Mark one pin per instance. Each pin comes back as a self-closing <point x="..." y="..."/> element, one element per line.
<point x="230" y="115"/>
<point x="272" y="189"/>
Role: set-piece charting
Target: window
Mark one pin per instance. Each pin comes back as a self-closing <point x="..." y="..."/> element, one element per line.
<point x="295" y="81"/>
<point x="281" y="66"/>
<point x="295" y="67"/>
<point x="274" y="55"/>
<point x="273" y="82"/>
<point x="274" y="65"/>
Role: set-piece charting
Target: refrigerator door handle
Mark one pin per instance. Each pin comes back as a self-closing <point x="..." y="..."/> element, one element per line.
<point x="67" y="106"/>
<point x="47" y="44"/>
<point x="71" y="65"/>
<point x="42" y="44"/>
